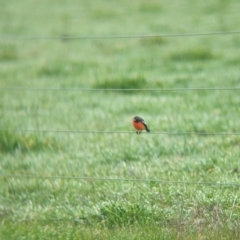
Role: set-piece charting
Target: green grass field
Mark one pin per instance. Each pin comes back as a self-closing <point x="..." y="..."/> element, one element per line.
<point x="158" y="194"/>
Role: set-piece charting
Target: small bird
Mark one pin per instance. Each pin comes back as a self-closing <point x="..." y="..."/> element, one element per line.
<point x="139" y="124"/>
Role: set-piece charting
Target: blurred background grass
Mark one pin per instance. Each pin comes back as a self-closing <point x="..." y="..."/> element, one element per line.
<point x="55" y="208"/>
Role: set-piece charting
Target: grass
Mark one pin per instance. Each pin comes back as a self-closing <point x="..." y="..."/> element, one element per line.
<point x="7" y="52"/>
<point x="41" y="194"/>
<point x="195" y="54"/>
<point x="122" y="84"/>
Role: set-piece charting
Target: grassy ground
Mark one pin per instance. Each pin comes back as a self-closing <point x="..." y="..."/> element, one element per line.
<point x="50" y="207"/>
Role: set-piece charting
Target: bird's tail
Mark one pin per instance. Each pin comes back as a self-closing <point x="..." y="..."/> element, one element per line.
<point x="146" y="127"/>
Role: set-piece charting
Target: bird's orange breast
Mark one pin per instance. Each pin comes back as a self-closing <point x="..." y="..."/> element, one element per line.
<point x="138" y="125"/>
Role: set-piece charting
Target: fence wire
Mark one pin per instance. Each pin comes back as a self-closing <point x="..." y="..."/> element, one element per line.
<point x="121" y="132"/>
<point x="65" y="38"/>
<point x="121" y="180"/>
<point x="120" y="89"/>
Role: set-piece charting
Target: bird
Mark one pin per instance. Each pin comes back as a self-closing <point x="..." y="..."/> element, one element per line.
<point x="139" y="124"/>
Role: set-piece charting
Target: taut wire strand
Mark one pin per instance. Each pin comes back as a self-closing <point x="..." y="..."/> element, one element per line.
<point x="119" y="89"/>
<point x="120" y="180"/>
<point x="140" y="36"/>
<point x="120" y="132"/>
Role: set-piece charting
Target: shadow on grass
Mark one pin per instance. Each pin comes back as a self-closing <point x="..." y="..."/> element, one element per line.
<point x="8" y="52"/>
<point x="150" y="7"/>
<point x="194" y="54"/>
<point x="63" y="69"/>
<point x="153" y="41"/>
<point x="123" y="83"/>
<point x="51" y="70"/>
<point x="11" y="142"/>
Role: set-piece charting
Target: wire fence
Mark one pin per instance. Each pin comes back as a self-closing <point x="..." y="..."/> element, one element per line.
<point x="175" y="133"/>
<point x="117" y="90"/>
<point x="121" y="180"/>
<point x="121" y="132"/>
<point x="121" y="89"/>
<point x="174" y="35"/>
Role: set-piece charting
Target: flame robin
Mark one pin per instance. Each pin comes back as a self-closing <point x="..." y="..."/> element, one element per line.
<point x="139" y="124"/>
